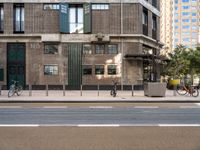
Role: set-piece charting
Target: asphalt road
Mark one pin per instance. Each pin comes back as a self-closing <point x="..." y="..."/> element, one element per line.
<point x="62" y="126"/>
<point x="123" y="116"/>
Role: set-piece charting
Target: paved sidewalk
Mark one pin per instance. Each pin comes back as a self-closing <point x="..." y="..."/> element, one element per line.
<point x="92" y="96"/>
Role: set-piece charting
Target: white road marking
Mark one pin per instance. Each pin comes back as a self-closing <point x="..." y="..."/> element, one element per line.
<point x="54" y="107"/>
<point x="98" y="125"/>
<point x="146" y="107"/>
<point x="101" y="107"/>
<point x="189" y="107"/>
<point x="178" y="125"/>
<point x="10" y="106"/>
<point x="19" y="125"/>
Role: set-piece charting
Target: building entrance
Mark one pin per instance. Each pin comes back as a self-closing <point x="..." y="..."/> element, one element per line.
<point x="16" y="63"/>
<point x="74" y="66"/>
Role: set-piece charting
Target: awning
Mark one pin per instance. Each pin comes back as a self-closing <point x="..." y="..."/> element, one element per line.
<point x="146" y="57"/>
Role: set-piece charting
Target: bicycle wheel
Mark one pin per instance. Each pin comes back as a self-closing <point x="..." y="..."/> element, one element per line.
<point x="180" y="90"/>
<point x="19" y="90"/>
<point x="195" y="92"/>
<point x="11" y="92"/>
<point x="111" y="92"/>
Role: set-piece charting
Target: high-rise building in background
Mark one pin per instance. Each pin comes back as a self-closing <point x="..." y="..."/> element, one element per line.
<point x="180" y="23"/>
<point x="166" y="25"/>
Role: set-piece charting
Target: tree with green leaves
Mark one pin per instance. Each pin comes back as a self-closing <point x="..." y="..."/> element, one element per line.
<point x="183" y="61"/>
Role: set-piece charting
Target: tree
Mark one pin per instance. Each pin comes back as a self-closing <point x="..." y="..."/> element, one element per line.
<point x="178" y="64"/>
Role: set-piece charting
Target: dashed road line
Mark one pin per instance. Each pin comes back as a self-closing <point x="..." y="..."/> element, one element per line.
<point x="146" y="107"/>
<point x="185" y="107"/>
<point x="54" y="107"/>
<point x="10" y="106"/>
<point x="99" y="125"/>
<point x="101" y="107"/>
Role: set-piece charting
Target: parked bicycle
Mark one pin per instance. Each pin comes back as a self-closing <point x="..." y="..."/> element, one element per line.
<point x="113" y="91"/>
<point x="191" y="90"/>
<point x="15" y="88"/>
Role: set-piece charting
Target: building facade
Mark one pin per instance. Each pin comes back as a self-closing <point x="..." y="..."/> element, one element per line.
<point x="79" y="42"/>
<point x="180" y="23"/>
<point x="166" y="29"/>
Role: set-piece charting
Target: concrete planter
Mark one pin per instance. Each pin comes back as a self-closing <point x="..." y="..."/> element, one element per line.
<point x="155" y="89"/>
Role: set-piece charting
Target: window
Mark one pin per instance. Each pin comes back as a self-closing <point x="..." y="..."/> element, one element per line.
<point x="112" y="70"/>
<point x="194" y="27"/>
<point x="145" y="17"/>
<point x="87" y="49"/>
<point x="87" y="69"/>
<point x="100" y="6"/>
<point x="185" y="1"/>
<point x="50" y="69"/>
<point x="18" y="18"/>
<point x="112" y="49"/>
<point x="51" y="6"/>
<point x="99" y="49"/>
<point x="186" y="27"/>
<point x="154" y="3"/>
<point x="76" y="19"/>
<point x="154" y="27"/>
<point x="194" y="8"/>
<point x="1" y="74"/>
<point x="186" y="40"/>
<point x="194" y="20"/>
<point x="99" y="69"/>
<point x="1" y="17"/>
<point x="186" y="20"/>
<point x="185" y="13"/>
<point x="154" y="23"/>
<point x="194" y="14"/>
<point x="176" y="20"/>
<point x="176" y="1"/>
<point x="185" y="7"/>
<point x="51" y="48"/>
<point x="145" y="21"/>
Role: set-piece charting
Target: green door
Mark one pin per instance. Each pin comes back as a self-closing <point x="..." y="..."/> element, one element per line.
<point x="16" y="63"/>
<point x="74" y="66"/>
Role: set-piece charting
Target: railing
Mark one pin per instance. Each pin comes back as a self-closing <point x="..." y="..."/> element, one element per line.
<point x="62" y="92"/>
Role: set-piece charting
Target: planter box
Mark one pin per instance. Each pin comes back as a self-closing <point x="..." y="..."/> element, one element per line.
<point x="155" y="89"/>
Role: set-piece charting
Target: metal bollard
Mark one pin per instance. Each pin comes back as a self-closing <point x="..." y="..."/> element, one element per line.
<point x="132" y="90"/>
<point x="63" y="89"/>
<point x="47" y="90"/>
<point x="30" y="89"/>
<point x="98" y="89"/>
<point x="175" y="88"/>
<point x="81" y="90"/>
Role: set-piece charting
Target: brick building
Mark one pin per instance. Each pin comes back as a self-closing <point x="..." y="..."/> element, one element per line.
<point x="79" y="42"/>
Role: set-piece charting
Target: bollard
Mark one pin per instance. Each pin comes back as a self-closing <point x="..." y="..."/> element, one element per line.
<point x="81" y="89"/>
<point x="175" y="88"/>
<point x="47" y="90"/>
<point x="30" y="89"/>
<point x="0" y="89"/>
<point x="63" y="89"/>
<point x="132" y="90"/>
<point x="98" y="89"/>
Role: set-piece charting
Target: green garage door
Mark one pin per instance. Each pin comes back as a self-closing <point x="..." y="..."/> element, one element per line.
<point x="75" y="66"/>
<point x="16" y="63"/>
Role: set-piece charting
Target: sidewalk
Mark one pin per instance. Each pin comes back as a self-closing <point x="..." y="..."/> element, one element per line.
<point x="92" y="96"/>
